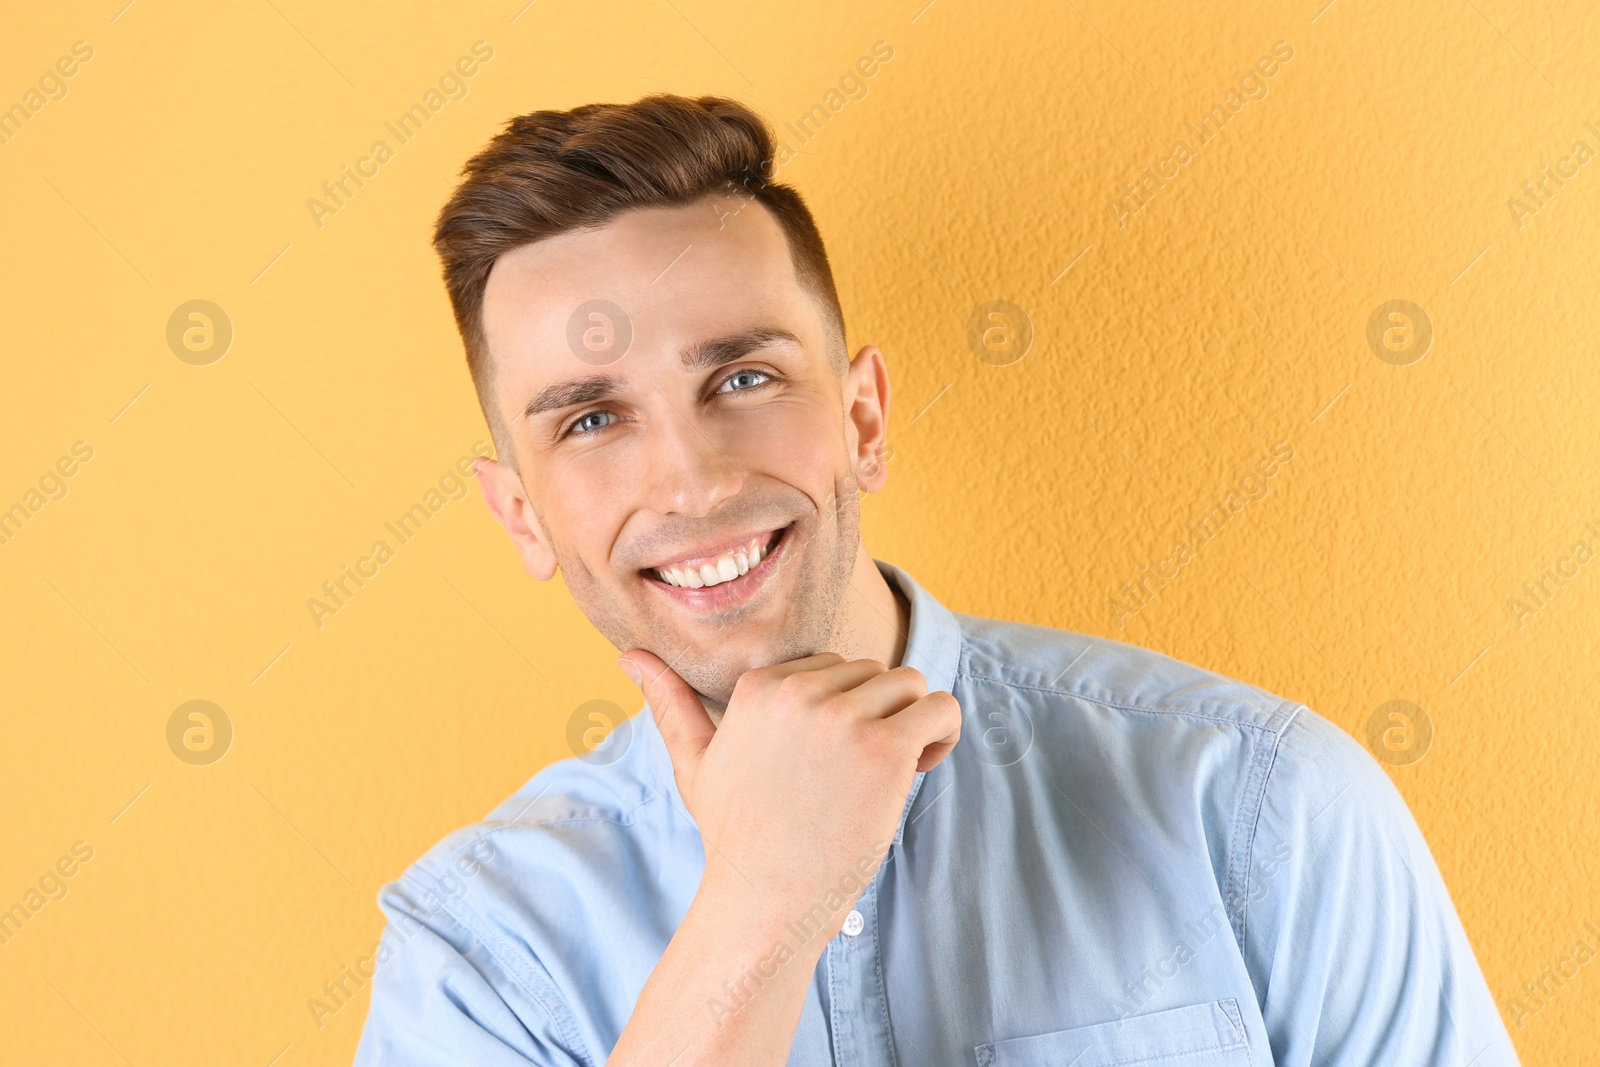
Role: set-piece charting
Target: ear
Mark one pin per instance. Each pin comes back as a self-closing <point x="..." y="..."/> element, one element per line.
<point x="866" y="398"/>
<point x="507" y="500"/>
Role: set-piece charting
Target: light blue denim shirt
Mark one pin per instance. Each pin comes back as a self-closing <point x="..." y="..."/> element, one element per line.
<point x="1125" y="860"/>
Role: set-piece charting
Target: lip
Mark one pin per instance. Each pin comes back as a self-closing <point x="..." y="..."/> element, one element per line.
<point x="709" y="555"/>
<point x="727" y="594"/>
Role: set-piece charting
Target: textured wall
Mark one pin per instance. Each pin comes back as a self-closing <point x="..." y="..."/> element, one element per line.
<point x="1179" y="333"/>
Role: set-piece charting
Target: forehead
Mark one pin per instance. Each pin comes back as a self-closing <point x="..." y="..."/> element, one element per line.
<point x="679" y="274"/>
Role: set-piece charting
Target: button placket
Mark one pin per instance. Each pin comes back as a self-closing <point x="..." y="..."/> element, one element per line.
<point x="858" y="1006"/>
<point x="856" y="991"/>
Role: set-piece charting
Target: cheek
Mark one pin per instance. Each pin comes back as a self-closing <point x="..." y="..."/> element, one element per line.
<point x="583" y="504"/>
<point x="797" y="443"/>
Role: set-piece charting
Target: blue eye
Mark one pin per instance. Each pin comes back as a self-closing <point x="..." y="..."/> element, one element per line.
<point x="578" y="424"/>
<point x="753" y="379"/>
<point x="746" y="374"/>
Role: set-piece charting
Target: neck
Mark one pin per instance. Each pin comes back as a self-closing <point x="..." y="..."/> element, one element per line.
<point x="875" y="613"/>
<point x="874" y="619"/>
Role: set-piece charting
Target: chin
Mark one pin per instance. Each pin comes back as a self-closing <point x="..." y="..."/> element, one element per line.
<point x="711" y="681"/>
<point x="714" y="673"/>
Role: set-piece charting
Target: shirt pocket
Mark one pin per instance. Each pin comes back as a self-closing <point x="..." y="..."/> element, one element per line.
<point x="1197" y="1035"/>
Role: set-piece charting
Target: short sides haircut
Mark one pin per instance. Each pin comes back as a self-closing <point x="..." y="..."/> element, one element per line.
<point x="551" y="172"/>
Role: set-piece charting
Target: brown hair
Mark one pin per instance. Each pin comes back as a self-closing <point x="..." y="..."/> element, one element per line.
<point x="553" y="171"/>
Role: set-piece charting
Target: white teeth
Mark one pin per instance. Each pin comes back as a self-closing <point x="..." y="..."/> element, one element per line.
<point x="725" y="568"/>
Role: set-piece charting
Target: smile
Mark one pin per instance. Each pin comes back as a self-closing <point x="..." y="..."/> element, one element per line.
<point x="725" y="577"/>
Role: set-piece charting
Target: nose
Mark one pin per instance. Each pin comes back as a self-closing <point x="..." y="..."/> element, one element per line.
<point x="689" y="471"/>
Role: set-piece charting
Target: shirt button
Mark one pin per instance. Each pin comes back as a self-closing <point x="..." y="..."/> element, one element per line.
<point x="853" y="923"/>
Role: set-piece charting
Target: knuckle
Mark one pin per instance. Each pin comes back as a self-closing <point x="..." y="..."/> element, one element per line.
<point x="912" y="677"/>
<point x="746" y="684"/>
<point x="797" y="687"/>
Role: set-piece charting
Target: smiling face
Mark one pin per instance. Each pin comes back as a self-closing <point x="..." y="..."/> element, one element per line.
<point x="687" y="455"/>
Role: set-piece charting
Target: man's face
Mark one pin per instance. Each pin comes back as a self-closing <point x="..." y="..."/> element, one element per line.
<point x="697" y="491"/>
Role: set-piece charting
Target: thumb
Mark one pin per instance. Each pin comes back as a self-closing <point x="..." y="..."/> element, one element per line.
<point x="681" y="718"/>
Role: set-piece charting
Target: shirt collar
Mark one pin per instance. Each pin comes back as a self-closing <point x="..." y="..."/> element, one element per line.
<point x="933" y="646"/>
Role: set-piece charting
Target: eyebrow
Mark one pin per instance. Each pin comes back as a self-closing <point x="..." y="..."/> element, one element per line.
<point x="702" y="355"/>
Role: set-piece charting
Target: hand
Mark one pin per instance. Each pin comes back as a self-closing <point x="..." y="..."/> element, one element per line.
<point x="804" y="781"/>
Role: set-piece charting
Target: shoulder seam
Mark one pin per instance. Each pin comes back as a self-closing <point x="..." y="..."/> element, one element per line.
<point x="1236" y="895"/>
<point x="620" y="816"/>
<point x="1119" y="706"/>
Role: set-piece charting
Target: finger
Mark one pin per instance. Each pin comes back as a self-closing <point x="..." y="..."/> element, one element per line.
<point x="779" y="671"/>
<point x="932" y="720"/>
<point x="681" y="718"/>
<point x="846" y="676"/>
<point x="934" y="755"/>
<point x="887" y="692"/>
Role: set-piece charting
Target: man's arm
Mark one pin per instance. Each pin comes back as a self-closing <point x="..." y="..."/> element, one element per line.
<point x="799" y="787"/>
<point x="1351" y="938"/>
<point x="442" y="997"/>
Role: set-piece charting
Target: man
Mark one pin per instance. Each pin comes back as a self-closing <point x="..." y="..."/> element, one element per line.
<point x="850" y="827"/>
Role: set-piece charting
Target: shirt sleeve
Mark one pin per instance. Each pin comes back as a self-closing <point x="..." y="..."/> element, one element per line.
<point x="1354" y="946"/>
<point x="445" y="992"/>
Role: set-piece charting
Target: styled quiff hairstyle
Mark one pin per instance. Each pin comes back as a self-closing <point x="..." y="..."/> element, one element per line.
<point x="550" y="172"/>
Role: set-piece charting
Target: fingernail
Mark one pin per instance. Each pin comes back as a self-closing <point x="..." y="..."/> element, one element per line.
<point x="630" y="670"/>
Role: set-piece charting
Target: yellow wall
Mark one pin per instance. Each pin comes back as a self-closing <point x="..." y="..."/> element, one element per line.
<point x="1173" y="347"/>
